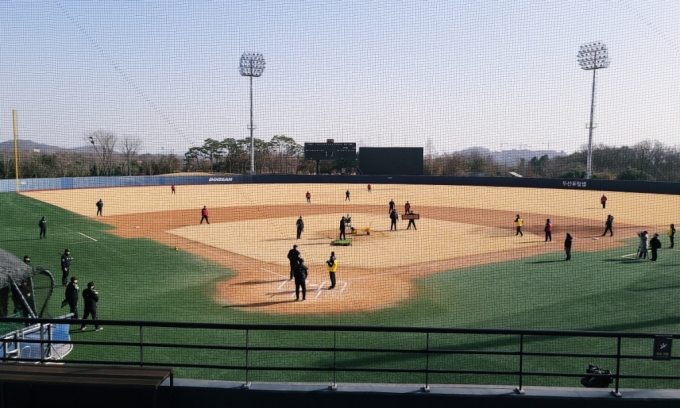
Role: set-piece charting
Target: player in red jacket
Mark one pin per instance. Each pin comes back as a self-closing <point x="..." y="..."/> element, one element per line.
<point x="204" y="215"/>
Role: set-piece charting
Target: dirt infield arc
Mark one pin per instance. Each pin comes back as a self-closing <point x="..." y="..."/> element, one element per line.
<point x="253" y="227"/>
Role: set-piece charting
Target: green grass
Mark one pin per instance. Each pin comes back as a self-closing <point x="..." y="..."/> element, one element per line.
<point x="140" y="279"/>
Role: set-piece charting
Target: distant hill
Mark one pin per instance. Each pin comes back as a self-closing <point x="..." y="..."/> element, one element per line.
<point x="29" y="145"/>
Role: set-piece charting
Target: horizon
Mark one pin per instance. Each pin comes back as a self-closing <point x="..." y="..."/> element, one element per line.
<point x="445" y="77"/>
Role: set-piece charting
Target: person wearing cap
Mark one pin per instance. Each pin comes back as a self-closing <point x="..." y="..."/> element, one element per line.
<point x="71" y="297"/>
<point x="642" y="249"/>
<point x="26" y="292"/>
<point x="300" y="273"/>
<point x="42" y="224"/>
<point x="608" y="226"/>
<point x="100" y="206"/>
<point x="91" y="297"/>
<point x="65" y="266"/>
<point x="654" y="244"/>
<point x="567" y="246"/>
<point x="293" y="256"/>
<point x="518" y="226"/>
<point x="332" y="264"/>
<point x="671" y="235"/>
<point x="300" y="227"/>
<point x="27" y="260"/>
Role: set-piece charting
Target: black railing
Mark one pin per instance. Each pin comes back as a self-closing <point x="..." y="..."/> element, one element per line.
<point x="423" y="359"/>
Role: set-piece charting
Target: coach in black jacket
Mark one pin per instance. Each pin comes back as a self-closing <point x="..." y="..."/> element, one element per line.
<point x="72" y="296"/>
<point x="91" y="297"/>
<point x="300" y="272"/>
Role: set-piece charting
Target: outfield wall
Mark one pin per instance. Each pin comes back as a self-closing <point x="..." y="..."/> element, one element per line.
<point x="96" y="182"/>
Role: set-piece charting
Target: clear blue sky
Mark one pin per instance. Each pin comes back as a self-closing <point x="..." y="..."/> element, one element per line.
<point x="442" y="74"/>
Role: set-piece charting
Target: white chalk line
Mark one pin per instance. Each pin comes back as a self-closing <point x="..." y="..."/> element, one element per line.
<point x="87" y="236"/>
<point x="272" y="272"/>
<point x="281" y="285"/>
<point x="318" y="292"/>
<point x="343" y="287"/>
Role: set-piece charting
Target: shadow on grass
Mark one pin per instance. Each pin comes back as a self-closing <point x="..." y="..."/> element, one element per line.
<point x="504" y="342"/>
<point x="259" y="304"/>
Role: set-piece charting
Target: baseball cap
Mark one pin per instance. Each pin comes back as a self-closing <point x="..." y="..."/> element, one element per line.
<point x="73" y="279"/>
<point x="66" y="250"/>
<point x="90" y="284"/>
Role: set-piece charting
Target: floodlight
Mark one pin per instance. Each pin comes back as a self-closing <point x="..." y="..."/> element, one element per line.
<point x="591" y="57"/>
<point x="251" y="65"/>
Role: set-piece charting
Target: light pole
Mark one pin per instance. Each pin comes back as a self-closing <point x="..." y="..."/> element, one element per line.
<point x="251" y="65"/>
<point x="591" y="57"/>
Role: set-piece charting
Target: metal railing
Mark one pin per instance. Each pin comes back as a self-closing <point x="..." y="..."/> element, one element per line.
<point x="422" y="357"/>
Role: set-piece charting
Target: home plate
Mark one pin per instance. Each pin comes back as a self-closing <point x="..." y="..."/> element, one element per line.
<point x="596" y="238"/>
<point x="136" y="226"/>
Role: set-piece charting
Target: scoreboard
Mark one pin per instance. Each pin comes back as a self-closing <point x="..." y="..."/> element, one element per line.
<point x="330" y="151"/>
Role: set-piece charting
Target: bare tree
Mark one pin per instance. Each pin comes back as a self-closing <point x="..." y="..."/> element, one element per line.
<point x="129" y="147"/>
<point x="104" y="144"/>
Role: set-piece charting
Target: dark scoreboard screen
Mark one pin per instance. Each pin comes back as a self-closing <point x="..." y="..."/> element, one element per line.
<point x="330" y="151"/>
<point x="391" y="160"/>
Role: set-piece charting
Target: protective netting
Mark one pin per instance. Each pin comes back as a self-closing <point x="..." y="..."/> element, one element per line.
<point x="133" y="89"/>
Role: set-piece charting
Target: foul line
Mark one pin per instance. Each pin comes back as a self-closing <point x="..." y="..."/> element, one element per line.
<point x="272" y="272"/>
<point x="87" y="236"/>
<point x="318" y="292"/>
<point x="281" y="285"/>
<point x="343" y="287"/>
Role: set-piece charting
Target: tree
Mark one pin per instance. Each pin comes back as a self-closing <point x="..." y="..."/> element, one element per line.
<point x="575" y="173"/>
<point x="539" y="166"/>
<point x="633" y="174"/>
<point x="129" y="147"/>
<point x="104" y="144"/>
<point x="284" y="147"/>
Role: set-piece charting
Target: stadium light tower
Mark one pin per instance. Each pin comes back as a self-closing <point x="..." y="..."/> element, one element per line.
<point x="251" y="65"/>
<point x="591" y="57"/>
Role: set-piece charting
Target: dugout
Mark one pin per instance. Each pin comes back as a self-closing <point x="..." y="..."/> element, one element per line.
<point x="391" y="160"/>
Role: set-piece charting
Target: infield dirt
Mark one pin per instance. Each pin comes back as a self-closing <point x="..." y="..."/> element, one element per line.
<point x="253" y="227"/>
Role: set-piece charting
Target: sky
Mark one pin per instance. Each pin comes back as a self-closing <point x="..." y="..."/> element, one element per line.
<point x="443" y="75"/>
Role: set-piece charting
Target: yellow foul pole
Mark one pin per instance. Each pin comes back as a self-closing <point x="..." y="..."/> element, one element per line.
<point x="16" y="147"/>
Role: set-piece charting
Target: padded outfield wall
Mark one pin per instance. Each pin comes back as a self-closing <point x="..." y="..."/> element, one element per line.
<point x="97" y="182"/>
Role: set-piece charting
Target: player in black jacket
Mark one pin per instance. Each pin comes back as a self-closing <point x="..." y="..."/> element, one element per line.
<point x="91" y="297"/>
<point x="65" y="266"/>
<point x="72" y="297"/>
<point x="293" y="256"/>
<point x="608" y="226"/>
<point x="300" y="225"/>
<point x="42" y="224"/>
<point x="300" y="272"/>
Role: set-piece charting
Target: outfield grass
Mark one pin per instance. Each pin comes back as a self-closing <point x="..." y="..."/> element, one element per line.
<point x="143" y="280"/>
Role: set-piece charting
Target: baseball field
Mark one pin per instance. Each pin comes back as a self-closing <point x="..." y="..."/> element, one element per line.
<point x="463" y="266"/>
